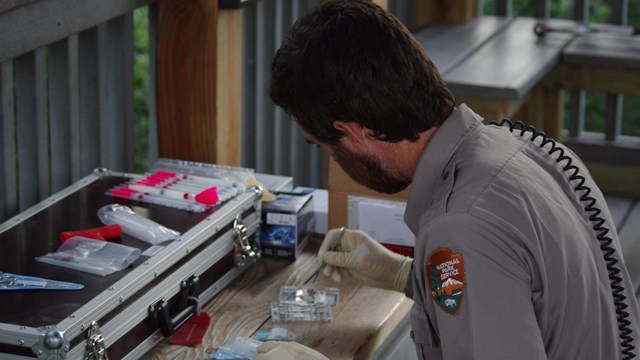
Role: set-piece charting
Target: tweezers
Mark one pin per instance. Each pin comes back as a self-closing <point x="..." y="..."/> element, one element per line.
<point x="331" y="247"/>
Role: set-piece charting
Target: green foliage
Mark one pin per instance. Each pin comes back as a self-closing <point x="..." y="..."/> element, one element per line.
<point x="599" y="10"/>
<point x="522" y="8"/>
<point x="561" y="9"/>
<point x="634" y="13"/>
<point x="141" y="87"/>
<point x="594" y="111"/>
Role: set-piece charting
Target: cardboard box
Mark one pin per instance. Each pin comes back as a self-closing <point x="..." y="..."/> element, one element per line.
<point x="287" y="223"/>
<point x="383" y="220"/>
<point x="320" y="208"/>
<point x="341" y="186"/>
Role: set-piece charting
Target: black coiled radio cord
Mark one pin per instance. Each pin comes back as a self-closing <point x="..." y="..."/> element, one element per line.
<point x="593" y="212"/>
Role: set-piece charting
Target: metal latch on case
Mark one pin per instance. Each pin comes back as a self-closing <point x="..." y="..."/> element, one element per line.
<point x="95" y="349"/>
<point x="242" y="247"/>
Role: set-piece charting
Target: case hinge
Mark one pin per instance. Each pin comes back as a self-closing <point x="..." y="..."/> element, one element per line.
<point x="95" y="349"/>
<point x="242" y="247"/>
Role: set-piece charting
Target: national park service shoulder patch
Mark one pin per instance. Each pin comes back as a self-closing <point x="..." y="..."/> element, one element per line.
<point x="445" y="276"/>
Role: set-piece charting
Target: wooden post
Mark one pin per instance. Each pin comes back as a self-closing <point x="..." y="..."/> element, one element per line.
<point x="229" y="87"/>
<point x="553" y="118"/>
<point x="187" y="41"/>
<point x="544" y="107"/>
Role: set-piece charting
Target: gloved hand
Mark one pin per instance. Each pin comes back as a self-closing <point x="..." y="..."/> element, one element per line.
<point x="286" y="350"/>
<point x="365" y="259"/>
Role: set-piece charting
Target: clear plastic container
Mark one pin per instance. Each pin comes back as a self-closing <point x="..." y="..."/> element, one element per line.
<point x="304" y="303"/>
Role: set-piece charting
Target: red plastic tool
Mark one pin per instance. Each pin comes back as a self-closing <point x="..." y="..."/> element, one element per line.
<point x="99" y="233"/>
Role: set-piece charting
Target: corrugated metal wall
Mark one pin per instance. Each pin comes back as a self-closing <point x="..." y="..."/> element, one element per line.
<point x="270" y="141"/>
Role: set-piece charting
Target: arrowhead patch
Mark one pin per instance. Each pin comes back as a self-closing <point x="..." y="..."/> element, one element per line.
<point x="445" y="276"/>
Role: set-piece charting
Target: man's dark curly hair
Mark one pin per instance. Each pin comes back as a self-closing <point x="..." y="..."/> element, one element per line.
<point x="350" y="60"/>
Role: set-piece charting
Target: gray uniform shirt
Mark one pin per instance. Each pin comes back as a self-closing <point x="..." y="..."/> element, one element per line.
<point x="507" y="264"/>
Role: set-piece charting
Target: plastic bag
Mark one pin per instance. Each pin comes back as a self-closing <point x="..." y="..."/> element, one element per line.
<point x="135" y="225"/>
<point x="237" y="348"/>
<point x="92" y="256"/>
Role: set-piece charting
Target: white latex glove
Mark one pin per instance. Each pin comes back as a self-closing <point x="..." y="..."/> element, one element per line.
<point x="365" y="259"/>
<point x="287" y="350"/>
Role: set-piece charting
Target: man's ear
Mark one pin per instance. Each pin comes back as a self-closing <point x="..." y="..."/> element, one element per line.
<point x="353" y="131"/>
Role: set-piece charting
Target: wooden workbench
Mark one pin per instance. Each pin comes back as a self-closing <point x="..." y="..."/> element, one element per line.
<point x="363" y="318"/>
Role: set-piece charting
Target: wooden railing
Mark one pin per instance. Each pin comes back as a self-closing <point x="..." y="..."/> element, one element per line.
<point x="601" y="58"/>
<point x="66" y="85"/>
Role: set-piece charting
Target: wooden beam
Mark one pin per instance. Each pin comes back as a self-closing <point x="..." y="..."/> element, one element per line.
<point x="491" y="109"/>
<point x="598" y="78"/>
<point x="229" y="87"/>
<point x="543" y="108"/>
<point x="428" y="12"/>
<point x="616" y="179"/>
<point x="26" y="25"/>
<point x="531" y="111"/>
<point x="187" y="44"/>
<point x="552" y="119"/>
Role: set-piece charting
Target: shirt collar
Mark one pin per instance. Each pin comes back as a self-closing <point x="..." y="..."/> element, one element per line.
<point x="434" y="160"/>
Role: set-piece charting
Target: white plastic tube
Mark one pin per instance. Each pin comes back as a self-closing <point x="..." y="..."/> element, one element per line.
<point x="135" y="225"/>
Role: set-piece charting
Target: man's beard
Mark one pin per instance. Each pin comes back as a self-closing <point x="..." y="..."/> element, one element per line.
<point x="369" y="171"/>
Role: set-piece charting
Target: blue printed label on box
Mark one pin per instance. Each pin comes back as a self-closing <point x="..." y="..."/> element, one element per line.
<point x="287" y="222"/>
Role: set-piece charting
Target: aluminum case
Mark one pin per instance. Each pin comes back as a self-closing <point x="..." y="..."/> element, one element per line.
<point x="121" y="313"/>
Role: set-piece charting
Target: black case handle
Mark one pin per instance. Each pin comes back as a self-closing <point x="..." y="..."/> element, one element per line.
<point x="168" y="324"/>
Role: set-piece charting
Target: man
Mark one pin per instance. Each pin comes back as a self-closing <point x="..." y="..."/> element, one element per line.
<point x="508" y="259"/>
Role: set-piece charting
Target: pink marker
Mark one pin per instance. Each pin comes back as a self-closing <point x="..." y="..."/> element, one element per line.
<point x="126" y="193"/>
<point x="194" y="178"/>
<point x="163" y="185"/>
<point x="208" y="196"/>
<point x="171" y="183"/>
